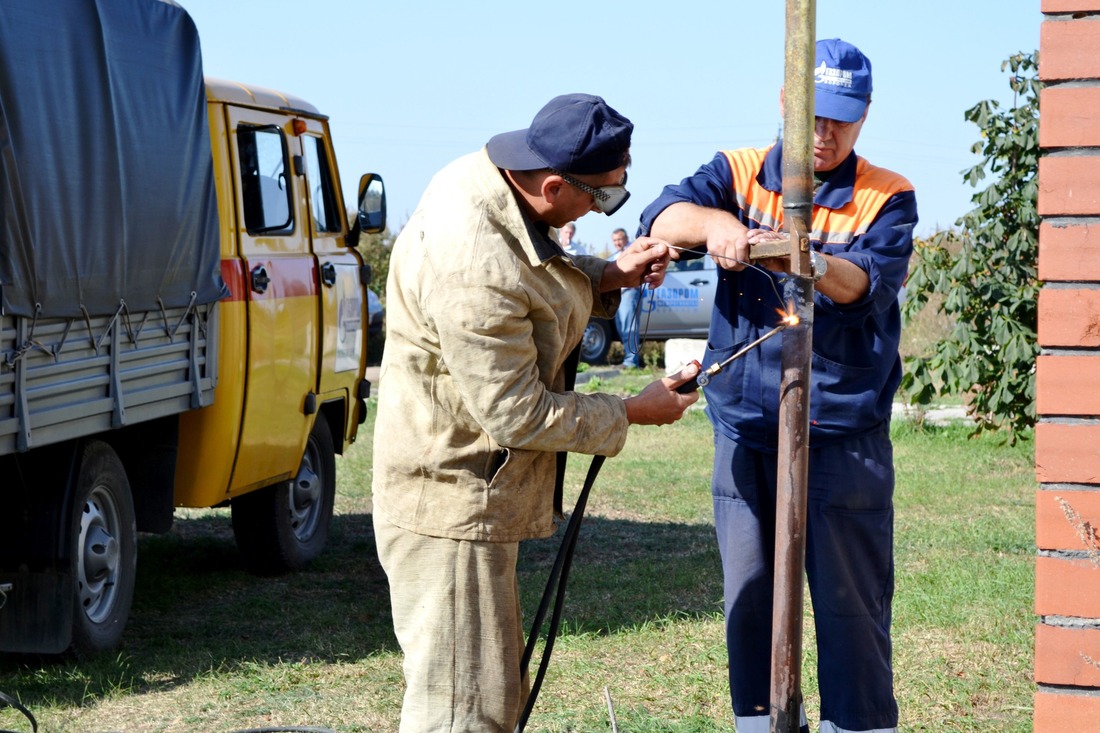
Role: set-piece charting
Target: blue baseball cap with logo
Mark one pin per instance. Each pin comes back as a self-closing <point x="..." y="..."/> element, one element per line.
<point x="842" y="81"/>
<point x="573" y="133"/>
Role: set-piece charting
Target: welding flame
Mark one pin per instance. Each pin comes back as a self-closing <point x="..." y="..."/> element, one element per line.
<point x="788" y="317"/>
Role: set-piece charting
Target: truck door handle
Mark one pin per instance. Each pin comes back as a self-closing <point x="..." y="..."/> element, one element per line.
<point x="260" y="279"/>
<point x="699" y="281"/>
<point x="328" y="274"/>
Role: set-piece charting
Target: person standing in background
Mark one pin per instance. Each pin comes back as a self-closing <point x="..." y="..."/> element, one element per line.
<point x="626" y="317"/>
<point x="565" y="237"/>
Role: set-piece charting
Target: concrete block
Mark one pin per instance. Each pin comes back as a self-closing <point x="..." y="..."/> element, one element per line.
<point x="679" y="352"/>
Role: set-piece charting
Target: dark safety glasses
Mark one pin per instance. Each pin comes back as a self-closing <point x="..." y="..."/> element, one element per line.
<point x="609" y="199"/>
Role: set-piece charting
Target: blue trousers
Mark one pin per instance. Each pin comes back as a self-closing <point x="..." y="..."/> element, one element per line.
<point x="626" y="320"/>
<point x="849" y="566"/>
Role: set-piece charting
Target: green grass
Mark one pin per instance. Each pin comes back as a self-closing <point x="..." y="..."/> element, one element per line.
<point x="212" y="648"/>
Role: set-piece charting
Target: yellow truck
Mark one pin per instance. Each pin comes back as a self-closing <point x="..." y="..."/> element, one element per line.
<point x="182" y="311"/>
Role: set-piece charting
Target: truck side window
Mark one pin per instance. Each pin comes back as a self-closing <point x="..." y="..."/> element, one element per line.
<point x="265" y="186"/>
<point x="322" y="191"/>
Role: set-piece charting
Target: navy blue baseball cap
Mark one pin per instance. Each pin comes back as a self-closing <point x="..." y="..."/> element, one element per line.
<point x="842" y="81"/>
<point x="573" y="133"/>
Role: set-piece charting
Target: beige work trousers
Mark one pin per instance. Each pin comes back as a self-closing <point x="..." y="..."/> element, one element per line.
<point x="457" y="617"/>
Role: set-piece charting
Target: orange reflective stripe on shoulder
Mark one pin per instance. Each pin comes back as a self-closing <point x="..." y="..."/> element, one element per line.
<point x="874" y="186"/>
<point x="758" y="203"/>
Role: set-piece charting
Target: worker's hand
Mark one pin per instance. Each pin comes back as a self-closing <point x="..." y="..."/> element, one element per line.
<point x="728" y="241"/>
<point x="659" y="403"/>
<point x="689" y="225"/>
<point x="756" y="236"/>
<point x="645" y="261"/>
<point x="774" y="264"/>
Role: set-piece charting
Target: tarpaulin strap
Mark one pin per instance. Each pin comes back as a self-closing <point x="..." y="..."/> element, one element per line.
<point x="88" y="327"/>
<point x="203" y="323"/>
<point x="29" y="344"/>
<point x="190" y="308"/>
<point x="164" y="315"/>
<point x="121" y="318"/>
<point x="12" y="702"/>
<point x="122" y="315"/>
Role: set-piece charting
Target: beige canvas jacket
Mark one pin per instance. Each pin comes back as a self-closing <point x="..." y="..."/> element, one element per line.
<point x="481" y="312"/>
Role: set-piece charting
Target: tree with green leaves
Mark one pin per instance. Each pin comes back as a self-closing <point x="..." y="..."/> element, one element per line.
<point x="983" y="275"/>
<point x="375" y="249"/>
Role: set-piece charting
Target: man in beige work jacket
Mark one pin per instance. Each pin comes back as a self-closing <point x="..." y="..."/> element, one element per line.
<point x="483" y="308"/>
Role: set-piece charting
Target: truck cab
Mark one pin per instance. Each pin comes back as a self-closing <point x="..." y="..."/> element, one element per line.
<point x="293" y="332"/>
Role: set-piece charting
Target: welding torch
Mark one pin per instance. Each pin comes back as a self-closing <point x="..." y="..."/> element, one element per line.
<point x="702" y="379"/>
<point x="760" y="250"/>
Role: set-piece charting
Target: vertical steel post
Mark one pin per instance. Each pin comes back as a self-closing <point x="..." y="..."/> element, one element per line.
<point x="794" y="406"/>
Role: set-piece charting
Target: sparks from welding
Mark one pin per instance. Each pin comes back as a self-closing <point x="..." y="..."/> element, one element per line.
<point x="788" y="316"/>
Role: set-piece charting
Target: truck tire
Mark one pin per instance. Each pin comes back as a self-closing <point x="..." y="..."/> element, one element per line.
<point x="104" y="551"/>
<point x="283" y="527"/>
<point x="596" y="342"/>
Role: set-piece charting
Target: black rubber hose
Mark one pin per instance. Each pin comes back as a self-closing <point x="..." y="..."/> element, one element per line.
<point x="555" y="588"/>
<point x="12" y="702"/>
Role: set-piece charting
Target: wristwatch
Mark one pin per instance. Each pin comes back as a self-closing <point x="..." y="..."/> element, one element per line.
<point x="818" y="265"/>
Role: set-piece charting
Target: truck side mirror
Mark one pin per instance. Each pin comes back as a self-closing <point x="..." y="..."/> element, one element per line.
<point x="371" y="217"/>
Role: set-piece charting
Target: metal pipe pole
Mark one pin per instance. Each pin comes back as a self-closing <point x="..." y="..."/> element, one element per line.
<point x="794" y="405"/>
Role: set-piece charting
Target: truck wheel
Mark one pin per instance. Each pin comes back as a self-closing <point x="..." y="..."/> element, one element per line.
<point x="596" y="341"/>
<point x="282" y="527"/>
<point x="104" y="551"/>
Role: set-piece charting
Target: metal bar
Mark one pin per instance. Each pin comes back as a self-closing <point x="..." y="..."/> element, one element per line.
<point x="764" y="250"/>
<point x="794" y="405"/>
<point x="611" y="710"/>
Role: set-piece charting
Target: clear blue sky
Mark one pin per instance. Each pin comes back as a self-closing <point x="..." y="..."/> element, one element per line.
<point x="410" y="85"/>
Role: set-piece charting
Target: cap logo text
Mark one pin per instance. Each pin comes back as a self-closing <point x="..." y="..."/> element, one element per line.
<point x="829" y="76"/>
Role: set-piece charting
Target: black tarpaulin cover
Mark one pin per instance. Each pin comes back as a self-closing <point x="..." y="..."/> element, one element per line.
<point x="106" y="177"/>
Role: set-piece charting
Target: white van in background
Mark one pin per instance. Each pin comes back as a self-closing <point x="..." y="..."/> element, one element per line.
<point x="680" y="308"/>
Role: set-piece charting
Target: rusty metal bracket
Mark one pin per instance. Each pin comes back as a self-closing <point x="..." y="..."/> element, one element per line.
<point x="776" y="248"/>
<point x="765" y="250"/>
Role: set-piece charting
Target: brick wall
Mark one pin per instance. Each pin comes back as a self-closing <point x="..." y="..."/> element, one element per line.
<point x="1067" y="438"/>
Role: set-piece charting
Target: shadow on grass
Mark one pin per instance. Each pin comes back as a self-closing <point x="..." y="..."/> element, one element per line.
<point x="197" y="610"/>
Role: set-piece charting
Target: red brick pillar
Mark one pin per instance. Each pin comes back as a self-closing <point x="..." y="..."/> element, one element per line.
<point x="1067" y="437"/>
